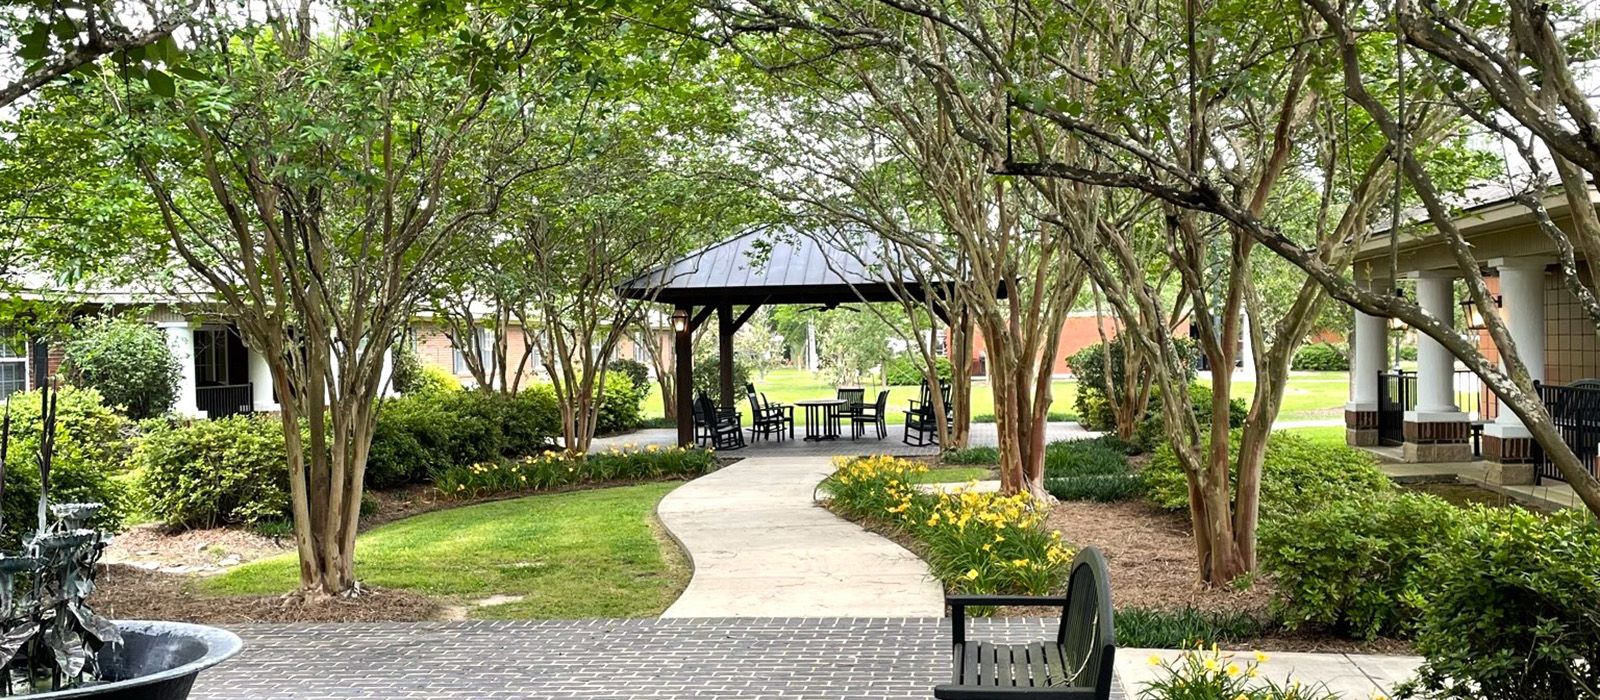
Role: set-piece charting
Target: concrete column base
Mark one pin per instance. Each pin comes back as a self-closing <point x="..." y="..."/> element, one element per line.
<point x="1437" y="452"/>
<point x="1508" y="474"/>
<point x="1361" y="437"/>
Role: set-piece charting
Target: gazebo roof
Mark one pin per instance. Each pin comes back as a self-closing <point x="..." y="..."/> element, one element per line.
<point x="770" y="267"/>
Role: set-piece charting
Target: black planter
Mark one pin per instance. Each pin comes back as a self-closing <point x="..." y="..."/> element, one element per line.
<point x="156" y="661"/>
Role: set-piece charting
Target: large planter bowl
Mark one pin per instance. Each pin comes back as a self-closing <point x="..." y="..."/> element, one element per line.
<point x="156" y="661"/>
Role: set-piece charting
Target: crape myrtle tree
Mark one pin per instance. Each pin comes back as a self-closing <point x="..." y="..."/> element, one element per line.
<point x="471" y="302"/>
<point x="875" y="151"/>
<point x="1172" y="79"/>
<point x="649" y="181"/>
<point x="314" y="167"/>
<point x="46" y="40"/>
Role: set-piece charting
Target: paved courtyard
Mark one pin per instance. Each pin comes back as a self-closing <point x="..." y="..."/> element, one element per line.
<point x="813" y="658"/>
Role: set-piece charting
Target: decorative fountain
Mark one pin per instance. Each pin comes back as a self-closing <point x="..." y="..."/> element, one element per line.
<point x="51" y="644"/>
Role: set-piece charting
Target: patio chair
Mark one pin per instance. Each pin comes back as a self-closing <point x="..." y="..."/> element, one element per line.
<point x="853" y="398"/>
<point x="922" y="426"/>
<point x="786" y="410"/>
<point x="722" y="426"/>
<point x="767" y="421"/>
<point x="871" y="414"/>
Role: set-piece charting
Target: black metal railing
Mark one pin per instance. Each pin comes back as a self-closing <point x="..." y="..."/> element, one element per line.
<point x="226" y="400"/>
<point x="1576" y="414"/>
<point x="1397" y="393"/>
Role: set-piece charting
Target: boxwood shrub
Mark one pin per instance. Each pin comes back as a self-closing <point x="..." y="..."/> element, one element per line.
<point x="89" y="448"/>
<point x="418" y="436"/>
<point x="1355" y="565"/>
<point x="1321" y="357"/>
<point x="1297" y="474"/>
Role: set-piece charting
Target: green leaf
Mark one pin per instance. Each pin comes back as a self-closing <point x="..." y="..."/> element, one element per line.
<point x="160" y="83"/>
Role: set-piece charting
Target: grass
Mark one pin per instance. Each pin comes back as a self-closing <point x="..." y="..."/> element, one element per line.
<point x="1308" y="396"/>
<point x="583" y="554"/>
<point x="1323" y="435"/>
<point x="947" y="475"/>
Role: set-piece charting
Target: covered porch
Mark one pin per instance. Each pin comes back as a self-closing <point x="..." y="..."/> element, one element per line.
<point x="1440" y="411"/>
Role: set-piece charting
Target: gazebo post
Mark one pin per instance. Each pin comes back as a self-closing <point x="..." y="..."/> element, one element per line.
<point x="725" y="329"/>
<point x="683" y="366"/>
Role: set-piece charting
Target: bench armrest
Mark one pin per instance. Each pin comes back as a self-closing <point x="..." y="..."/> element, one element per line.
<point x="959" y="604"/>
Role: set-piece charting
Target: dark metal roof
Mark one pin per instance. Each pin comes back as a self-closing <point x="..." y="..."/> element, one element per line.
<point x="769" y="267"/>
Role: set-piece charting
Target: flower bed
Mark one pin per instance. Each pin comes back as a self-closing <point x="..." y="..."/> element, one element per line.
<point x="557" y="469"/>
<point x="974" y="542"/>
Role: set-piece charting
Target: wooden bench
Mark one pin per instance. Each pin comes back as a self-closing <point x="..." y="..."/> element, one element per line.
<point x="1075" y="665"/>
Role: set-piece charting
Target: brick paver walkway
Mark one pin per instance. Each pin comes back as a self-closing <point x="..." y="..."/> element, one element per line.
<point x="748" y="658"/>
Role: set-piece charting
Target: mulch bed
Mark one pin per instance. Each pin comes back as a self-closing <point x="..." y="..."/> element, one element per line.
<point x="131" y="593"/>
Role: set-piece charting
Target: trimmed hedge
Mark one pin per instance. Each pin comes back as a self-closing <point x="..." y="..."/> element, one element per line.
<point x="556" y="469"/>
<point x="127" y="361"/>
<point x="1297" y="474"/>
<point x="419" y="436"/>
<point x="1321" y="357"/>
<point x="907" y="370"/>
<point x="621" y="405"/>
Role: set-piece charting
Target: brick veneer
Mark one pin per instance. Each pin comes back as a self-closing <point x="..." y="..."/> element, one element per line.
<point x="1508" y="450"/>
<point x="1438" y="432"/>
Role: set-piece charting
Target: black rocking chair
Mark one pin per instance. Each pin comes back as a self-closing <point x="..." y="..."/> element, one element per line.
<point x="722" y="427"/>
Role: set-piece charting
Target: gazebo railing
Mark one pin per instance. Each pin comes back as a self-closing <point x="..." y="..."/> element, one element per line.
<point x="1575" y="410"/>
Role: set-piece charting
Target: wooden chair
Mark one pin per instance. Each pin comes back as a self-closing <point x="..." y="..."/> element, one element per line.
<point x="785" y="411"/>
<point x="853" y="398"/>
<point x="766" y="421"/>
<point x="722" y="427"/>
<point x="922" y="427"/>
<point x="871" y="414"/>
<point x="1076" y="665"/>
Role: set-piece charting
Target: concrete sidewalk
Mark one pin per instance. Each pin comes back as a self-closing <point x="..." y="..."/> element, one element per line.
<point x="1352" y="676"/>
<point x="761" y="547"/>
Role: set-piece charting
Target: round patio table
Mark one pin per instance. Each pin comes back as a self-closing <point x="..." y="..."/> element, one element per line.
<point x="822" y="418"/>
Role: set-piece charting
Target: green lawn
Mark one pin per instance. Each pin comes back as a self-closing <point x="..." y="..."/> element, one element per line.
<point x="583" y="554"/>
<point x="1325" y="435"/>
<point x="1309" y="396"/>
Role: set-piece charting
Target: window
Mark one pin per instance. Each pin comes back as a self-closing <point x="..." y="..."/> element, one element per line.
<point x="211" y="356"/>
<point x="13" y="365"/>
<point x="486" y="347"/>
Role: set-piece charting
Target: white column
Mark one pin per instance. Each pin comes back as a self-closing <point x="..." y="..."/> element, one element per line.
<point x="1247" y="349"/>
<point x="386" y="374"/>
<point x="180" y="340"/>
<point x="261" y="383"/>
<point x="811" y="347"/>
<point x="1522" y="306"/>
<point x="1369" y="355"/>
<point x="1436" y="400"/>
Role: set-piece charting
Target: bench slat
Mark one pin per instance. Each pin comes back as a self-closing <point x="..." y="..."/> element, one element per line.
<point x="970" y="666"/>
<point x="986" y="659"/>
<point x="1057" y="665"/>
<point x="1038" y="675"/>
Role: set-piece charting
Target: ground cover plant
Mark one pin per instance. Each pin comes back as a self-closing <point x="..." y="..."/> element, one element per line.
<point x="1184" y="627"/>
<point x="552" y="470"/>
<point x="582" y="554"/>
<point x="974" y="542"/>
<point x="1090" y="470"/>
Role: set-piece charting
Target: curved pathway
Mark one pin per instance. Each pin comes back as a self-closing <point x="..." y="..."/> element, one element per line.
<point x="762" y="547"/>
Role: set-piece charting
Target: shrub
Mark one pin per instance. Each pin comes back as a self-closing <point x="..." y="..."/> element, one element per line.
<point x="207" y="473"/>
<point x="1355" y="565"/>
<point x="433" y="381"/>
<point x="1407" y="353"/>
<point x="971" y="455"/>
<point x="89" y="448"/>
<point x="974" y="542"/>
<point x="1321" y="357"/>
<point x="1186" y="627"/>
<point x="707" y="377"/>
<point x="1089" y="366"/>
<point x="620" y="406"/>
<point x="1105" y="488"/>
<point x="907" y="370"/>
<point x="1152" y="429"/>
<point x="557" y="469"/>
<point x="1513" y="611"/>
<point x="128" y="362"/>
<point x="1297" y="474"/>
<point x="417" y="437"/>
<point x="405" y="372"/>
<point x="635" y="371"/>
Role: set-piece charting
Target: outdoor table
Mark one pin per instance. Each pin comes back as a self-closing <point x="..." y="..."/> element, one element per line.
<point x="822" y="418"/>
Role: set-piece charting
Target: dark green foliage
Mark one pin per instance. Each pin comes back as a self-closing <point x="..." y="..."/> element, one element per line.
<point x="369" y="504"/>
<point x="1089" y="366"/>
<point x="418" y="436"/>
<point x="1152" y="430"/>
<point x="1513" y="611"/>
<point x="89" y="448"/>
<point x="1090" y="470"/>
<point x="1321" y="357"/>
<point x="635" y="371"/>
<point x="1055" y="417"/>
<point x="707" y="380"/>
<point x="128" y="362"/>
<point x="1355" y="565"/>
<point x="206" y="473"/>
<point x="907" y="370"/>
<point x="1297" y="474"/>
<point x="405" y="373"/>
<point x="556" y="469"/>
<point x="1408" y="353"/>
<point x="971" y="455"/>
<point x="1186" y="627"/>
<point x="621" y="405"/>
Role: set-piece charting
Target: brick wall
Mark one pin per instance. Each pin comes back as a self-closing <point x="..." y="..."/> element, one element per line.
<point x="1572" y="351"/>
<point x="434" y="348"/>
<point x="1077" y="333"/>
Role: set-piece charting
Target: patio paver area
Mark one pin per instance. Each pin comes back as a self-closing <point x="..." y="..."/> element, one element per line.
<point x="762" y="547"/>
<point x="811" y="658"/>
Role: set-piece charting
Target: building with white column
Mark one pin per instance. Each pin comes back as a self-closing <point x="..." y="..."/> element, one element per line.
<point x="1440" y="411"/>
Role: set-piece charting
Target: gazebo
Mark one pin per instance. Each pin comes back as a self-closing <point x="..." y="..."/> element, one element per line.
<point x="757" y="268"/>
